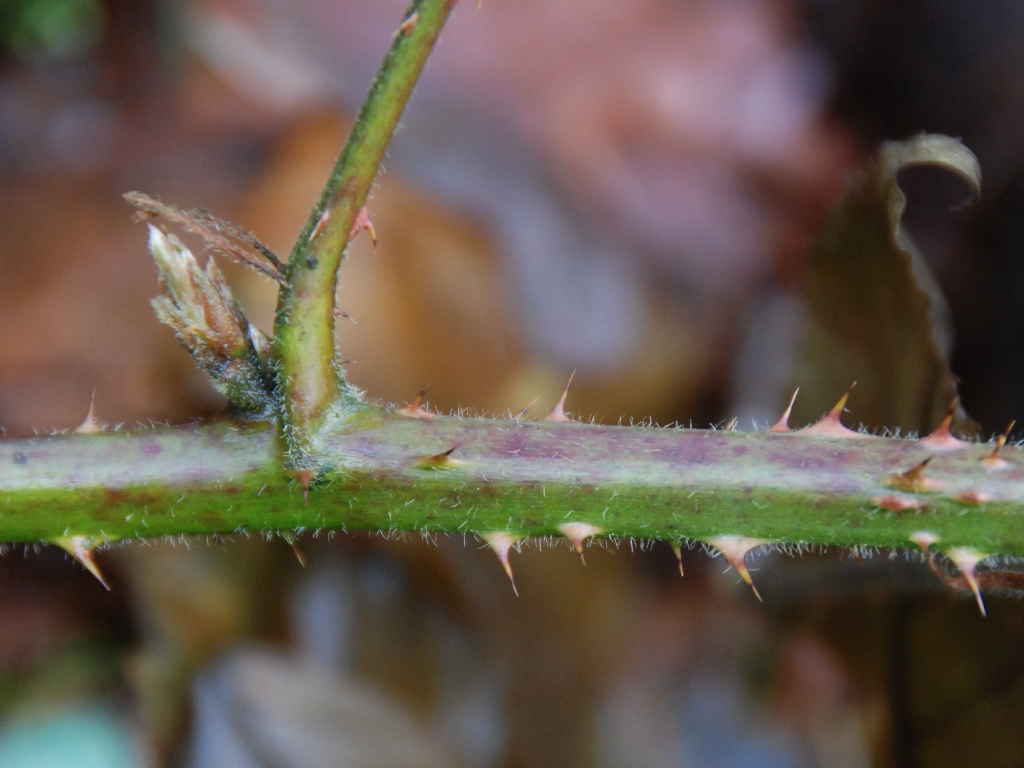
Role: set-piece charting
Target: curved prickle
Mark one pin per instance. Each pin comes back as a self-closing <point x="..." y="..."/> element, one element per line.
<point x="81" y="548"/>
<point x="735" y="549"/>
<point x="577" y="534"/>
<point x="502" y="543"/>
<point x="558" y="414"/>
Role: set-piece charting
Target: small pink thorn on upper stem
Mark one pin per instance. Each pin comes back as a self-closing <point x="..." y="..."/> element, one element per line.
<point x="289" y="537"/>
<point x="440" y="461"/>
<point x="735" y="549"/>
<point x="831" y="425"/>
<point x="942" y="439"/>
<point x="346" y="315"/>
<point x="363" y="217"/>
<point x="914" y="481"/>
<point x="305" y="477"/>
<point x="321" y="224"/>
<point x="558" y="413"/>
<point x="501" y="543"/>
<point x="408" y="24"/>
<point x="80" y="548"/>
<point x="782" y="425"/>
<point x="994" y="460"/>
<point x="519" y="416"/>
<point x="924" y="539"/>
<point x="90" y="426"/>
<point x="677" y="548"/>
<point x="415" y="409"/>
<point x="966" y="559"/>
<point x="577" y="534"/>
<point x="731" y="426"/>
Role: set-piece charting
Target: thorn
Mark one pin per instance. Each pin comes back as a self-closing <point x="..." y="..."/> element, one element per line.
<point x="501" y="543"/>
<point x="577" y="534"/>
<point x="90" y="426"/>
<point x="732" y="424"/>
<point x="966" y="559"/>
<point x="831" y="425"/>
<point x="415" y="409"/>
<point x="924" y="539"/>
<point x="80" y="548"/>
<point x="782" y="425"/>
<point x="363" y="217"/>
<point x="440" y="461"/>
<point x="896" y="504"/>
<point x="321" y="224"/>
<point x="914" y="481"/>
<point x="735" y="549"/>
<point x="305" y="477"/>
<point x="942" y="439"/>
<point x="558" y="412"/>
<point x="678" y="549"/>
<point x="289" y="537"/>
<point x="993" y="460"/>
<point x="519" y="416"/>
<point x="346" y="315"/>
<point x="408" y="25"/>
<point x="972" y="497"/>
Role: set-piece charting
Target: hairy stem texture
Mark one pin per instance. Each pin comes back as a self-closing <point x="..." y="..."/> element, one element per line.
<point x="304" y="327"/>
<point x="526" y="479"/>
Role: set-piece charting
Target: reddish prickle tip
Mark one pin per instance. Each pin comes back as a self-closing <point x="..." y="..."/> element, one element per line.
<point x="731" y="426"/>
<point x="501" y="543"/>
<point x="942" y="439"/>
<point x="896" y="504"/>
<point x="994" y="460"/>
<point x="577" y="534"/>
<point x="519" y="416"/>
<point x="440" y="461"/>
<point x="677" y="548"/>
<point x="914" y="481"/>
<point x="415" y="409"/>
<point x="558" y="413"/>
<point x="924" y="539"/>
<point x="305" y="477"/>
<point x="363" y="217"/>
<point x="831" y="425"/>
<point x="782" y="425"/>
<point x="80" y="548"/>
<point x="90" y="426"/>
<point x="966" y="559"/>
<point x="735" y="549"/>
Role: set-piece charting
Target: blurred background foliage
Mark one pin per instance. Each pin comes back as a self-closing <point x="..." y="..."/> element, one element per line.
<point x="622" y="188"/>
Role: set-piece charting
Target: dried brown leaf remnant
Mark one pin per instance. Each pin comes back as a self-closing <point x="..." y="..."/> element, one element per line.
<point x="872" y="300"/>
<point x="212" y="229"/>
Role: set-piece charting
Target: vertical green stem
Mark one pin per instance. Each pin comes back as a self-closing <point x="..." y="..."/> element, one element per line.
<point x="310" y="378"/>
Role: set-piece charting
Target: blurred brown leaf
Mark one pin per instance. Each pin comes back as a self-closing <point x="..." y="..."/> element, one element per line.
<point x="873" y="302"/>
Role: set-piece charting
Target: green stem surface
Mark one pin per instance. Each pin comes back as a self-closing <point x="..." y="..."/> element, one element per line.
<point x="522" y="478"/>
<point x="309" y="375"/>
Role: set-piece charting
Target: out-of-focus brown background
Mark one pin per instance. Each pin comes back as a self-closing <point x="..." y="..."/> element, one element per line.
<point x="625" y="189"/>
